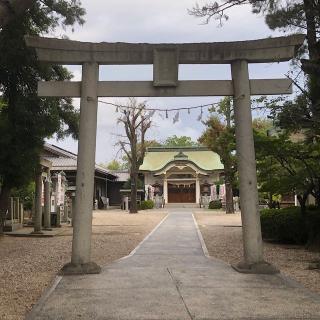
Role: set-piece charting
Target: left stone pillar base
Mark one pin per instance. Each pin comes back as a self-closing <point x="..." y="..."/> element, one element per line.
<point x="74" y="269"/>
<point x="262" y="267"/>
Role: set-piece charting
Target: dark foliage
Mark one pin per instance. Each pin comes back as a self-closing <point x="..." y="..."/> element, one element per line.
<point x="215" y="204"/>
<point x="147" y="204"/>
<point x="289" y="225"/>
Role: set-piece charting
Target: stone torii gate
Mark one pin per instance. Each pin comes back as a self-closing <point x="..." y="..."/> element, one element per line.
<point x="165" y="59"/>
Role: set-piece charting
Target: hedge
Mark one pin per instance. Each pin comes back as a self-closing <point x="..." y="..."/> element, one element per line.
<point x="313" y="227"/>
<point x="215" y="204"/>
<point x="147" y="204"/>
<point x="288" y="225"/>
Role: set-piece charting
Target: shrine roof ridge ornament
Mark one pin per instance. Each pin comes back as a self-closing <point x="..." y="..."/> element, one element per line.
<point x="64" y="51"/>
<point x="180" y="155"/>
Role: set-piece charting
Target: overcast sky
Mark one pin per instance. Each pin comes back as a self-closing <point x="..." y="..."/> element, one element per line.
<point x="155" y="22"/>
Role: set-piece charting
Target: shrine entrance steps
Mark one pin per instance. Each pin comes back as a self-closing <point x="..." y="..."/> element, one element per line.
<point x="181" y="205"/>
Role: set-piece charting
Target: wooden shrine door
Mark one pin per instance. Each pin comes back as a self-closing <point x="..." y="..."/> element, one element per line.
<point x="181" y="193"/>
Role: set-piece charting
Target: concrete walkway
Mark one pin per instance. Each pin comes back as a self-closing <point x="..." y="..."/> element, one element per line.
<point x="169" y="277"/>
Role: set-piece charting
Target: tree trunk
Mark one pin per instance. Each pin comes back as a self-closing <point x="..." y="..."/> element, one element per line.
<point x="4" y="206"/>
<point x="134" y="182"/>
<point x="316" y="194"/>
<point x="313" y="48"/>
<point x="229" y="198"/>
<point x="302" y="201"/>
<point x="228" y="177"/>
<point x="228" y="170"/>
<point x="310" y="12"/>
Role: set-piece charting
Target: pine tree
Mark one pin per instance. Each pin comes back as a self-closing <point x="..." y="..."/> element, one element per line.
<point x="301" y="16"/>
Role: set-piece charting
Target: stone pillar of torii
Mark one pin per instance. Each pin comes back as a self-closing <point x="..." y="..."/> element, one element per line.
<point x="166" y="59"/>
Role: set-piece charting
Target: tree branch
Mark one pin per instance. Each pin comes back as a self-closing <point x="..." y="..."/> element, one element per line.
<point x="123" y="148"/>
<point x="211" y="10"/>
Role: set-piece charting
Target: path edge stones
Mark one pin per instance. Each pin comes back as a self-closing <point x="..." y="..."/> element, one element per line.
<point x="203" y="244"/>
<point x="43" y="297"/>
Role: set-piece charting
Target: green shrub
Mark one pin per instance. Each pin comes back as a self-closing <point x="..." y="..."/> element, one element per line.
<point x="269" y="227"/>
<point x="312" y="207"/>
<point x="215" y="204"/>
<point x="285" y="225"/>
<point x="313" y="227"/>
<point x="288" y="225"/>
<point x="147" y="204"/>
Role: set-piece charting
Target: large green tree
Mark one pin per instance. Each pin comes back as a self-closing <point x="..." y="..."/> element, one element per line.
<point x="290" y="17"/>
<point x="25" y="119"/>
<point x="285" y="165"/>
<point x="179" y="141"/>
<point x="219" y="136"/>
<point x="288" y="157"/>
<point x="113" y="165"/>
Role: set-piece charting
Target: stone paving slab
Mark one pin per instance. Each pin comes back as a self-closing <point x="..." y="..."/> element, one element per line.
<point x="125" y="279"/>
<point x="226" y="278"/>
<point x="169" y="277"/>
<point x="96" y="304"/>
<point x="162" y="261"/>
<point x="251" y="303"/>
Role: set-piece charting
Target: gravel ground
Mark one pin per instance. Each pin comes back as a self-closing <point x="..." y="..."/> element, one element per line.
<point x="28" y="265"/>
<point x="223" y="237"/>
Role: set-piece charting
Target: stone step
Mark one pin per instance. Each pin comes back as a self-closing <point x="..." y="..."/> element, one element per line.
<point x="182" y="205"/>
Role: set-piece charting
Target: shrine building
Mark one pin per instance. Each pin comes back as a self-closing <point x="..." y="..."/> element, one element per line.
<point x="181" y="174"/>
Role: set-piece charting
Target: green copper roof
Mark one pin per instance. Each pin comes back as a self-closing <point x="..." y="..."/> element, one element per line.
<point x="157" y="158"/>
